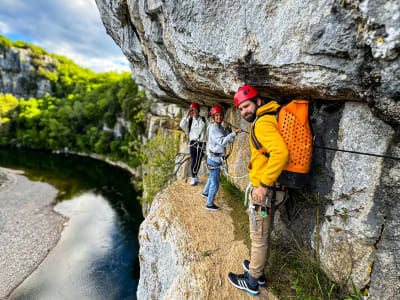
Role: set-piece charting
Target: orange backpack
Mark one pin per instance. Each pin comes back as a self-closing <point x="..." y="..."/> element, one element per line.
<point x="296" y="131"/>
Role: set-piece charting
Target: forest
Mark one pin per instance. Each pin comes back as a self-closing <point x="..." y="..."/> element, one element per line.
<point x="81" y="112"/>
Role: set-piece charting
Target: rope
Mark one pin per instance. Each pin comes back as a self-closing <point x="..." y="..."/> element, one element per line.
<point x="237" y="127"/>
<point x="246" y="193"/>
<point x="225" y="170"/>
<point x="198" y="161"/>
<point x="356" y="152"/>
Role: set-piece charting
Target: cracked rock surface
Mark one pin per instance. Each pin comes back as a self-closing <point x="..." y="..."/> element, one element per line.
<point x="205" y="50"/>
<point x="187" y="251"/>
<point x="342" y="54"/>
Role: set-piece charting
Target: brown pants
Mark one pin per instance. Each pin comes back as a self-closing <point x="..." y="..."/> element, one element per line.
<point x="260" y="238"/>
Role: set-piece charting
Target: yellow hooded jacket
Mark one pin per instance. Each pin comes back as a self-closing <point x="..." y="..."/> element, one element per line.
<point x="261" y="168"/>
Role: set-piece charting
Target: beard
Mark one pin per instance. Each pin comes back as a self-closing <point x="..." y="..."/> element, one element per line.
<point x="250" y="117"/>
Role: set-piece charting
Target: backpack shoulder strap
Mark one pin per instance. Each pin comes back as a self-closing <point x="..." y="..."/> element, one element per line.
<point x="190" y="123"/>
<point x="202" y="129"/>
<point x="254" y="139"/>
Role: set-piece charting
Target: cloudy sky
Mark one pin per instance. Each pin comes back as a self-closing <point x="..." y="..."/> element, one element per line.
<point x="72" y="28"/>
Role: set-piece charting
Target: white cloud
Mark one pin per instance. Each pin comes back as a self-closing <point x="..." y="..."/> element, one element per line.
<point x="4" y="28"/>
<point x="112" y="63"/>
<point x="70" y="28"/>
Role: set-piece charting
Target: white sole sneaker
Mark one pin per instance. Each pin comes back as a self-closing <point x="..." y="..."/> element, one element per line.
<point x="213" y="207"/>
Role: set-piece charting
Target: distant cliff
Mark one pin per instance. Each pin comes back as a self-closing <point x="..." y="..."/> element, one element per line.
<point x="66" y="107"/>
<point x="24" y="69"/>
<point x="342" y="54"/>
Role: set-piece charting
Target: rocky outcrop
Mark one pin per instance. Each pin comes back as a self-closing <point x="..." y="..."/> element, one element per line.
<point x="338" y="50"/>
<point x="349" y="244"/>
<point x="186" y="251"/>
<point x="22" y="72"/>
<point x="342" y="54"/>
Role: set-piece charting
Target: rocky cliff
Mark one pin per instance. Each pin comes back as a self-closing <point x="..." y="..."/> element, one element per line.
<point x="183" y="254"/>
<point x="23" y="72"/>
<point x="343" y="55"/>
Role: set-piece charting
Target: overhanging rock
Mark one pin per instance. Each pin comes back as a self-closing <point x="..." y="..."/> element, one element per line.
<point x="205" y="50"/>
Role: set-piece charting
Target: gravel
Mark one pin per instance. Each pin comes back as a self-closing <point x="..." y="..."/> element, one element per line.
<point x="29" y="227"/>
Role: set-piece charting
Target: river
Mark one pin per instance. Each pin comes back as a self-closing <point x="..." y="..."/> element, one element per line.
<point x="97" y="254"/>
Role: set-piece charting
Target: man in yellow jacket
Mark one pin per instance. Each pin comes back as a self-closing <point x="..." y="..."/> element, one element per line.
<point x="263" y="174"/>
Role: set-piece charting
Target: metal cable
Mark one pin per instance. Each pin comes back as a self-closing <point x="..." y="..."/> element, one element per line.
<point x="357" y="152"/>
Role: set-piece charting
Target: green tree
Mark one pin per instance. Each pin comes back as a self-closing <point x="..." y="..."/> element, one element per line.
<point x="158" y="156"/>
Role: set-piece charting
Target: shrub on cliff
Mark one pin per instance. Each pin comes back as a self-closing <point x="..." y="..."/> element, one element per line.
<point x="159" y="160"/>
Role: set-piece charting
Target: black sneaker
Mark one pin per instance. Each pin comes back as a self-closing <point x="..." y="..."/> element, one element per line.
<point x="241" y="281"/>
<point x="204" y="195"/>
<point x="212" y="207"/>
<point x="246" y="267"/>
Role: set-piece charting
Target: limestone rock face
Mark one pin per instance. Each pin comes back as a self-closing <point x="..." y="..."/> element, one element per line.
<point x="187" y="251"/>
<point x="343" y="54"/>
<point x="323" y="49"/>
<point x="360" y="230"/>
<point x="20" y="75"/>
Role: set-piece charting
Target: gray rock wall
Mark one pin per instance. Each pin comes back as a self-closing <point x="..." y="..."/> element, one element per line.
<point x="205" y="50"/>
<point x="20" y="75"/>
<point x="343" y="54"/>
<point x="359" y="131"/>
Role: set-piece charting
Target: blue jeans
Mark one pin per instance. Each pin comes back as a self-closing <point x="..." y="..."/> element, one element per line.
<point x="212" y="184"/>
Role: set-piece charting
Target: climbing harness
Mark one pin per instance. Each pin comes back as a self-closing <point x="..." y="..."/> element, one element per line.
<point x="263" y="209"/>
<point x="212" y="168"/>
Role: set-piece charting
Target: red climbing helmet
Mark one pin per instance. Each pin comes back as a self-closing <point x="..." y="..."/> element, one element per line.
<point x="216" y="109"/>
<point x="245" y="93"/>
<point x="195" y="105"/>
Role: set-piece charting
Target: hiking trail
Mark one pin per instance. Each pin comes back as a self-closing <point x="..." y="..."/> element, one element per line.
<point x="202" y="242"/>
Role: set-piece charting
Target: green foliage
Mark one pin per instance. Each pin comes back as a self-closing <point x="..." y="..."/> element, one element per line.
<point x="5" y="42"/>
<point x="238" y="212"/>
<point x="158" y="157"/>
<point x="355" y="295"/>
<point x="8" y="106"/>
<point x="344" y="213"/>
<point x="74" y="116"/>
<point x="7" y="103"/>
<point x="294" y="274"/>
<point x="206" y="253"/>
<point x="52" y="76"/>
<point x="21" y="44"/>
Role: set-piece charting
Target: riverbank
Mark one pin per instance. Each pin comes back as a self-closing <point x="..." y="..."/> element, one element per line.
<point x="29" y="227"/>
<point x="135" y="172"/>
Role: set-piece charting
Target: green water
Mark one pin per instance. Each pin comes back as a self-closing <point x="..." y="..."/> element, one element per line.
<point x="96" y="257"/>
